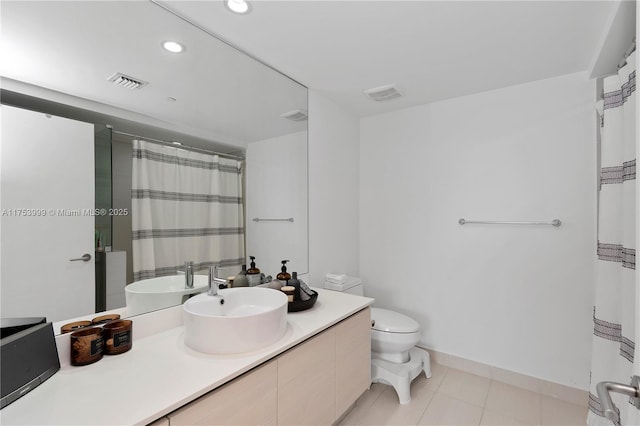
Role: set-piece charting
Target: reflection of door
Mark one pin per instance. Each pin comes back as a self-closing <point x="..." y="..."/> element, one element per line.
<point x="46" y="199"/>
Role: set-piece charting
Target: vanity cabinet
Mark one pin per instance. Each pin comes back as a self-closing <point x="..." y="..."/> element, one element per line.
<point x="314" y="382"/>
<point x="251" y="399"/>
<point x="353" y="359"/>
<point x="307" y="382"/>
<point x="162" y="421"/>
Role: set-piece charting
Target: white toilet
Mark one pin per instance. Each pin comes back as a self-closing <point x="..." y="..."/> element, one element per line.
<point x="394" y="358"/>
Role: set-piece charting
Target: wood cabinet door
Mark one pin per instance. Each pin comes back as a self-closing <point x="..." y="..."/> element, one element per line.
<point x="353" y="359"/>
<point x="307" y="382"/>
<point x="251" y="399"/>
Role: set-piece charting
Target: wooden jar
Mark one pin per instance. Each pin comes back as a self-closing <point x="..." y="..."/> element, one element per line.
<point x="117" y="336"/>
<point x="86" y="346"/>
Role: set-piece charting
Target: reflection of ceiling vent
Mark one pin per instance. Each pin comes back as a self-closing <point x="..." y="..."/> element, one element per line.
<point x="296" y="115"/>
<point x="383" y="93"/>
<point x="127" y="81"/>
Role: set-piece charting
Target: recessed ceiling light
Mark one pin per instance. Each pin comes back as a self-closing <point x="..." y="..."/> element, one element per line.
<point x="238" y="6"/>
<point x="173" y="46"/>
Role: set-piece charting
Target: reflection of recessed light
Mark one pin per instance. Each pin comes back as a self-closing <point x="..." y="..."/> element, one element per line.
<point x="176" y="143"/>
<point x="173" y="46"/>
<point x="238" y="6"/>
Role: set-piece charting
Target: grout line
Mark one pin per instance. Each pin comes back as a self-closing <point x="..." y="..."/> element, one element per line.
<point x="424" y="410"/>
<point x="486" y="398"/>
<point x="484" y="410"/>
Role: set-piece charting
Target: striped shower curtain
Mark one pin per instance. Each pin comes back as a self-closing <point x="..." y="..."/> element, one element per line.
<point x="186" y="206"/>
<point x="615" y="320"/>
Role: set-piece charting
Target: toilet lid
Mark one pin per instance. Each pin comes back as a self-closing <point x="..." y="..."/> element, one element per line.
<point x="392" y="322"/>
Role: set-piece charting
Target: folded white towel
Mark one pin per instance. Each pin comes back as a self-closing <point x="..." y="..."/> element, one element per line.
<point x="335" y="278"/>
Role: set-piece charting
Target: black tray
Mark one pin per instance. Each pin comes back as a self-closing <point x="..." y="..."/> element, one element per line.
<point x="299" y="305"/>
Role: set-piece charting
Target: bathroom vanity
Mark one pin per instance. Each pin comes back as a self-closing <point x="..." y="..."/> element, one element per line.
<point x="311" y="375"/>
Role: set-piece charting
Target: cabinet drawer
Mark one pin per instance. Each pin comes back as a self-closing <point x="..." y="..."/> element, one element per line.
<point x="306" y="382"/>
<point x="353" y="359"/>
<point x="251" y="399"/>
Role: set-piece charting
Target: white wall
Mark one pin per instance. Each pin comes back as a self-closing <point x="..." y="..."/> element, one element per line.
<point x="333" y="189"/>
<point x="276" y="188"/>
<point x="519" y="298"/>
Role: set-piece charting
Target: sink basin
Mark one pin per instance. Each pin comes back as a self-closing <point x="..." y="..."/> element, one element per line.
<point x="162" y="292"/>
<point x="236" y="320"/>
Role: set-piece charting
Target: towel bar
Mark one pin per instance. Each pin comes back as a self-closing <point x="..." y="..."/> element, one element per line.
<point x="554" y="222"/>
<point x="257" y="219"/>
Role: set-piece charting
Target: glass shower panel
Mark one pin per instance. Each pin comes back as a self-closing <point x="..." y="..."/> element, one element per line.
<point x="103" y="180"/>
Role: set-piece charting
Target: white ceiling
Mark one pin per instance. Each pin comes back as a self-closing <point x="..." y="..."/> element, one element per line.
<point x="72" y="47"/>
<point x="432" y="50"/>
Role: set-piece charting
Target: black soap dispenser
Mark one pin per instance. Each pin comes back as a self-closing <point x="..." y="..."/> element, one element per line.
<point x="295" y="282"/>
<point x="284" y="276"/>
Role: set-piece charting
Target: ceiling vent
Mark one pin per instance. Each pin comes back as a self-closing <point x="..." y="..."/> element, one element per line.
<point x="126" y="81"/>
<point x="296" y="115"/>
<point x="383" y="93"/>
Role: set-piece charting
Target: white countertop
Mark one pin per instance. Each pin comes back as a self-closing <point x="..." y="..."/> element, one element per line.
<point x="160" y="374"/>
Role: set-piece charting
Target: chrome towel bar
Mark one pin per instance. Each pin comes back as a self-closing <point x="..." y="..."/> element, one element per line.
<point x="257" y="219"/>
<point x="554" y="222"/>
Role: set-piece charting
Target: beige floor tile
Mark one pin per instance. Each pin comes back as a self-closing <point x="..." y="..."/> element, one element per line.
<point x="490" y="418"/>
<point x="511" y="401"/>
<point x="515" y="379"/>
<point x="557" y="412"/>
<point x="438" y="373"/>
<point x="465" y="387"/>
<point x="363" y="404"/>
<point x="444" y="410"/>
<point x="388" y="411"/>
<point x="565" y="393"/>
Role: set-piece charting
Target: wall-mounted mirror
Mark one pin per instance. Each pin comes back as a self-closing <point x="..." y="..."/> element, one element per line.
<point x="82" y="61"/>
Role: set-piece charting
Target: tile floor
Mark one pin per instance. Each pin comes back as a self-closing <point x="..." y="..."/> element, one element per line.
<point x="453" y="397"/>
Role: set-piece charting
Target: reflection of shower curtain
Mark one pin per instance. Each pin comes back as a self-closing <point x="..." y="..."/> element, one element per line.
<point x="614" y="315"/>
<point x="186" y="206"/>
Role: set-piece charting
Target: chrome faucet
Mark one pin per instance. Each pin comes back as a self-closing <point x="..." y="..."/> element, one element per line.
<point x="188" y="274"/>
<point x="214" y="281"/>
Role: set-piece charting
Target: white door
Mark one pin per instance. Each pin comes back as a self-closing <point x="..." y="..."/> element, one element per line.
<point x="46" y="186"/>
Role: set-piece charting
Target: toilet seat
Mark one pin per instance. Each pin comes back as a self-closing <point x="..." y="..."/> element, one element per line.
<point x="386" y="321"/>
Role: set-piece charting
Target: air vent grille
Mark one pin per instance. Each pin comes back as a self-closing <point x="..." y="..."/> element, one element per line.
<point x="126" y="81"/>
<point x="296" y="115"/>
<point x="383" y="93"/>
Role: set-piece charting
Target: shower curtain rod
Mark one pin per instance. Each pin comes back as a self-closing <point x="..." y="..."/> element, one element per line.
<point x="628" y="52"/>
<point x="181" y="146"/>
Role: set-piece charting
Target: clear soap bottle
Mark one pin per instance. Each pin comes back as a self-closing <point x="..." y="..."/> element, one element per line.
<point x="241" y="280"/>
<point x="253" y="273"/>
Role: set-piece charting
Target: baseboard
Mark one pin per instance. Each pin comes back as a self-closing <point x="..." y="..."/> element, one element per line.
<point x="534" y="384"/>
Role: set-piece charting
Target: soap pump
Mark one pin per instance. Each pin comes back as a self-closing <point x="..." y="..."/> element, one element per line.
<point x="241" y="280"/>
<point x="253" y="273"/>
<point x="295" y="283"/>
<point x="284" y="275"/>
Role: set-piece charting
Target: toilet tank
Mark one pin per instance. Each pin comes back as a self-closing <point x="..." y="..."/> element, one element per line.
<point x="352" y="285"/>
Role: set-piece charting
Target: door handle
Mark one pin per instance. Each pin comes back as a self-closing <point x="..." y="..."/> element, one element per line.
<point x="609" y="409"/>
<point x="85" y="257"/>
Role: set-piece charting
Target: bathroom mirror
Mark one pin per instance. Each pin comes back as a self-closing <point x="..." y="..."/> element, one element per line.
<point x="58" y="58"/>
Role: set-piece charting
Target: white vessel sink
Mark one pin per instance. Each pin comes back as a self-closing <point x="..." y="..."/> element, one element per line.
<point x="236" y="320"/>
<point x="159" y="293"/>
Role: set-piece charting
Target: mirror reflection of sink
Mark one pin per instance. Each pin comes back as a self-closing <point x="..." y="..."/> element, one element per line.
<point x="236" y="320"/>
<point x="157" y="293"/>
